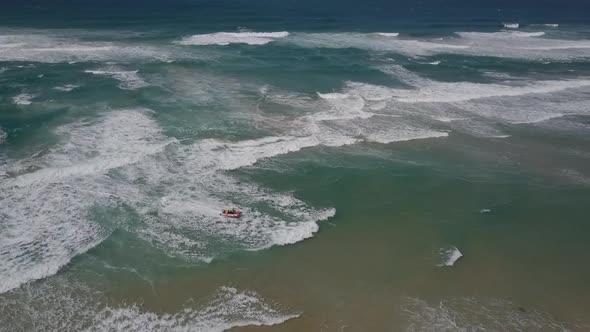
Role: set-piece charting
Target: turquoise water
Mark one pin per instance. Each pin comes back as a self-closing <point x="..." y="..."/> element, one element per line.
<point x="400" y="167"/>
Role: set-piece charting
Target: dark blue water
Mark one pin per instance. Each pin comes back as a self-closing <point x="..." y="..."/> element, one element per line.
<point x="292" y="14"/>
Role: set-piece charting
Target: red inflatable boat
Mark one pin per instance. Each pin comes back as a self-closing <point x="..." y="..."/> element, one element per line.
<point x="231" y="213"/>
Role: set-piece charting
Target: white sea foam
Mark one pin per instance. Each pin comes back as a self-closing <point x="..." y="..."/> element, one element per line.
<point x="477" y="127"/>
<point x="485" y="211"/>
<point x="230" y="309"/>
<point x="65" y="304"/>
<point x="66" y="88"/>
<point x="529" y="45"/>
<point x="449" y="92"/>
<point x="60" y="304"/>
<point x="448" y="119"/>
<point x="388" y="34"/>
<point x="514" y="101"/>
<point x="511" y="25"/>
<point x="188" y="221"/>
<point x="375" y="42"/>
<point x="332" y="96"/>
<point x="179" y="189"/>
<point x="52" y="46"/>
<point x="3" y="135"/>
<point x="130" y="79"/>
<point x="23" y="99"/>
<point x="46" y="213"/>
<point x="226" y="38"/>
<point x="505" y="44"/>
<point x="551" y="25"/>
<point x="405" y="133"/>
<point x="449" y="256"/>
<point x="341" y="106"/>
<point x="474" y="314"/>
<point x="528" y="34"/>
<point x="228" y="156"/>
<point x="463" y="106"/>
<point x="347" y="118"/>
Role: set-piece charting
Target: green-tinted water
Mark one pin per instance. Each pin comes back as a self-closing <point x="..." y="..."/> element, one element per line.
<point x="431" y="180"/>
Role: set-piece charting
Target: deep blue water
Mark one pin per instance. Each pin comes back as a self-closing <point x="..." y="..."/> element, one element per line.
<point x="297" y="15"/>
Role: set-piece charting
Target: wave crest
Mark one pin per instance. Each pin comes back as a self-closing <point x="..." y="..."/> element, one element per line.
<point x="226" y="38"/>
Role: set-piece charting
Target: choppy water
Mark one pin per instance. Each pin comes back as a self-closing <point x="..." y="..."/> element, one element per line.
<point x="405" y="167"/>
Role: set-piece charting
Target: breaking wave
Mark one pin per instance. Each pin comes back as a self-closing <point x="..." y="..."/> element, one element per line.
<point x="231" y="308"/>
<point x="511" y="25"/>
<point x="45" y="204"/>
<point x="449" y="256"/>
<point x="69" y="305"/>
<point x="226" y="38"/>
<point x="503" y="44"/>
<point x="388" y="34"/>
<point x="23" y="99"/>
<point x="66" y="88"/>
<point x="130" y="79"/>
<point x="51" y="46"/>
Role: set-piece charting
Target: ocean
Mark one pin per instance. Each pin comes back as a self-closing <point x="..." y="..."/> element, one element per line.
<point x="400" y="165"/>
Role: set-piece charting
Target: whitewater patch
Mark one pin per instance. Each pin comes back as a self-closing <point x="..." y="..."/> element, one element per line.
<point x="23" y="99"/>
<point x="448" y="119"/>
<point x="359" y="113"/>
<point x="226" y="38"/>
<point x="54" y="46"/>
<point x="449" y="256"/>
<point x="66" y="88"/>
<point x="402" y="133"/>
<point x="185" y="220"/>
<point x="388" y="34"/>
<point x="3" y="136"/>
<point x="229" y="156"/>
<point x="505" y="35"/>
<point x="231" y="308"/>
<point x="464" y="105"/>
<point x="526" y="45"/>
<point x="333" y="96"/>
<point x="177" y="189"/>
<point x="365" y="112"/>
<point x="66" y="304"/>
<point x="511" y="25"/>
<point x="429" y="91"/>
<point x="504" y="44"/>
<point x="46" y="202"/>
<point x="374" y="42"/>
<point x="477" y="314"/>
<point x="130" y="79"/>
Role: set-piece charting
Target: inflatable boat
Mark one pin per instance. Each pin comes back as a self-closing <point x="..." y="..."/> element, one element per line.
<point x="231" y="213"/>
